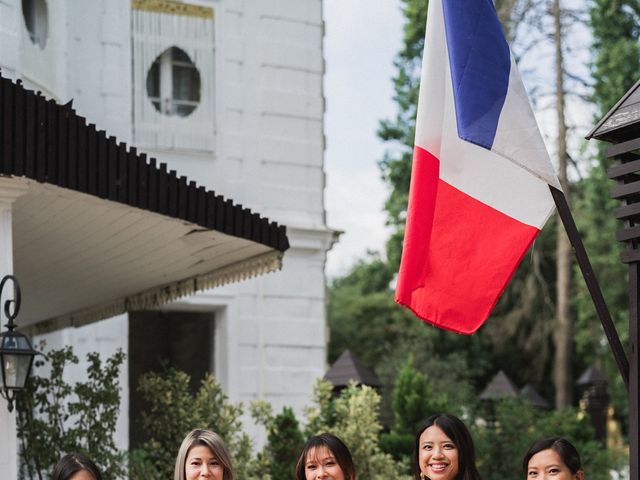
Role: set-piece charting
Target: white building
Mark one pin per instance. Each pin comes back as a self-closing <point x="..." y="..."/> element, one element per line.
<point x="228" y="93"/>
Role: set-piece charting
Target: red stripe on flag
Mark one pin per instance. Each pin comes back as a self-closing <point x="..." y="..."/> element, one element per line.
<point x="458" y="253"/>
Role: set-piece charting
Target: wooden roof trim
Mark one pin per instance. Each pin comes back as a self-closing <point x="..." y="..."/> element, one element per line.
<point x="50" y="143"/>
<point x="595" y="131"/>
<point x="173" y="7"/>
<point x="158" y="296"/>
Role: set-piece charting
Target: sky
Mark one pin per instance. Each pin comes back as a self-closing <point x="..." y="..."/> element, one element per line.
<point x="362" y="38"/>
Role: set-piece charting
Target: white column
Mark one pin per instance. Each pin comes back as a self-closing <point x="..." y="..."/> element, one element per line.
<point x="10" y="190"/>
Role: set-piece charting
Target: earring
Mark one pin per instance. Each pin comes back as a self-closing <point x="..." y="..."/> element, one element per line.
<point x="423" y="476"/>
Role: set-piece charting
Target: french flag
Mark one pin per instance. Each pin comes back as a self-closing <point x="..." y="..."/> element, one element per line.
<point x="480" y="177"/>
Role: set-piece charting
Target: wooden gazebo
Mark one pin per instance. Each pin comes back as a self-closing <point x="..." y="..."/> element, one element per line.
<point x="621" y="127"/>
<point x="347" y="369"/>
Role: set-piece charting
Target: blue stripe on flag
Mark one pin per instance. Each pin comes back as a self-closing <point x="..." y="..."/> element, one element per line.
<point x="480" y="65"/>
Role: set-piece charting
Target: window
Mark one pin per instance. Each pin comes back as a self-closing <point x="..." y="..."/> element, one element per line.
<point x="36" y="20"/>
<point x="173" y="83"/>
<point x="173" y="75"/>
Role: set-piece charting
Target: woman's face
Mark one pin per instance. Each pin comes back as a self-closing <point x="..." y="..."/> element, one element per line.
<point x="320" y="464"/>
<point x="201" y="463"/>
<point x="437" y="455"/>
<point x="82" y="475"/>
<point x="548" y="465"/>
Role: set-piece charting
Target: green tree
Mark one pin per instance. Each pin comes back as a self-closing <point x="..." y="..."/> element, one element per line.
<point x="413" y="400"/>
<point x="284" y="440"/>
<point x="594" y="216"/>
<point x="399" y="132"/>
<point x="172" y="412"/>
<point x="353" y="416"/>
<point x="56" y="417"/>
<point x="615" y="68"/>
<point x="502" y="443"/>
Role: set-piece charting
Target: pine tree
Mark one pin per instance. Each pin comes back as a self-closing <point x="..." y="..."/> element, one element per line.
<point x="284" y="439"/>
<point x="615" y="25"/>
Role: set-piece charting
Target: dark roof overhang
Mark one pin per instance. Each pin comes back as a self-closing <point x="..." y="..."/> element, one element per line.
<point x="349" y="368"/>
<point x="103" y="229"/>
<point x="500" y="386"/>
<point x="622" y="122"/>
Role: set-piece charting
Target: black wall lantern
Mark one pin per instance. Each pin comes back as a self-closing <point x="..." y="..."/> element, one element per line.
<point x="16" y="353"/>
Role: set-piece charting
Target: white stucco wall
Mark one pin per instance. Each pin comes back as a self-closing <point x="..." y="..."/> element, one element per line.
<point x="267" y="155"/>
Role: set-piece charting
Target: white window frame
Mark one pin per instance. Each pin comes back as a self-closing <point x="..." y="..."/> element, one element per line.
<point x="167" y="103"/>
<point x="154" y="31"/>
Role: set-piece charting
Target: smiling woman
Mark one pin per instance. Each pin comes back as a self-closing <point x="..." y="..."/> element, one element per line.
<point x="552" y="457"/>
<point x="325" y="457"/>
<point x="444" y="450"/>
<point x="203" y="454"/>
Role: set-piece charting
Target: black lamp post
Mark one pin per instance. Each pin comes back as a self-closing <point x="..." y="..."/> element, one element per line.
<point x="16" y="353"/>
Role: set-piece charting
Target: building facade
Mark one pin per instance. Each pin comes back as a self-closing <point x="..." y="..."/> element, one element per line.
<point x="229" y="93"/>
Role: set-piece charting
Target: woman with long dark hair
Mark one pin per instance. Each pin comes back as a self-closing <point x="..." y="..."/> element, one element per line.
<point x="444" y="450"/>
<point x="75" y="466"/>
<point x="552" y="457"/>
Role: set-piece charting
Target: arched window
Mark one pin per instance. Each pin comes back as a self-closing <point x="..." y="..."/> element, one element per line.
<point x="173" y="83"/>
<point x="36" y="20"/>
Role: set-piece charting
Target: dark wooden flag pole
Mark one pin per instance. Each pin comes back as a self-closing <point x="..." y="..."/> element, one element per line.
<point x="628" y="368"/>
<point x="592" y="283"/>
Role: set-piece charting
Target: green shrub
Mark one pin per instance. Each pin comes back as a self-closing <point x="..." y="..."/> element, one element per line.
<point x="284" y="441"/>
<point x="172" y="412"/>
<point x="412" y="400"/>
<point x="502" y="443"/>
<point x="354" y="417"/>
<point x="56" y="417"/>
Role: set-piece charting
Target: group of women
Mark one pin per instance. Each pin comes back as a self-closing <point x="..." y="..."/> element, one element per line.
<point x="443" y="451"/>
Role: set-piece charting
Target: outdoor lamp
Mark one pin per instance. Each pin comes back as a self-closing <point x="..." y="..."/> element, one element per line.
<point x="16" y="353"/>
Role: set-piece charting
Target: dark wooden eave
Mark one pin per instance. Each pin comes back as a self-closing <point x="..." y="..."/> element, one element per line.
<point x="500" y="386"/>
<point x="50" y="143"/>
<point x="349" y="368"/>
<point x="591" y="376"/>
<point x="622" y="122"/>
<point x="529" y="394"/>
<point x="102" y="229"/>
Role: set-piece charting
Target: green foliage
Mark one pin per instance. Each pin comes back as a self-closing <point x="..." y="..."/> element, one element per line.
<point x="502" y="445"/>
<point x="376" y="330"/>
<point x="172" y="412"/>
<point x="400" y="131"/>
<point x="615" y="68"/>
<point x="519" y="335"/>
<point x="353" y="416"/>
<point x="56" y="417"/>
<point x="616" y="62"/>
<point x="284" y="440"/>
<point x="413" y="400"/>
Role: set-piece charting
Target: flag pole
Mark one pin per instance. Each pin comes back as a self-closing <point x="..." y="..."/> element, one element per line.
<point x="592" y="283"/>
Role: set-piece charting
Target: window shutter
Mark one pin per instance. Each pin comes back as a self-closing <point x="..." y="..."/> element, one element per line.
<point x="157" y="26"/>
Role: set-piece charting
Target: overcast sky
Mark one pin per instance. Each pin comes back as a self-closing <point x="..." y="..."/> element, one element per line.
<point x="362" y="37"/>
